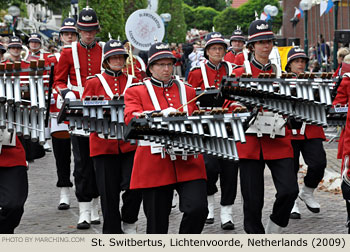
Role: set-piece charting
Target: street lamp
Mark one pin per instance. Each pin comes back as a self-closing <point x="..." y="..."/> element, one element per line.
<point x="74" y="9"/>
<point x="166" y="17"/>
<point x="14" y="12"/>
<point x="335" y="43"/>
<point x="306" y="5"/>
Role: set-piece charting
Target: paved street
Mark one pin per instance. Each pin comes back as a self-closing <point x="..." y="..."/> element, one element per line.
<point x="41" y="214"/>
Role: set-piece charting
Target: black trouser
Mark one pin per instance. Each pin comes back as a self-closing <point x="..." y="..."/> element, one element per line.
<point x="193" y="204"/>
<point x="228" y="171"/>
<point x="252" y="187"/>
<point x="62" y="151"/>
<point x="314" y="156"/>
<point x="113" y="173"/>
<point x="84" y="174"/>
<point x="13" y="195"/>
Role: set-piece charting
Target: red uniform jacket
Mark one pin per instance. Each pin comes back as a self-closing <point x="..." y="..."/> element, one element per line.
<point x="239" y="60"/>
<point x="51" y="59"/>
<point x="343" y="98"/>
<point x="232" y="55"/>
<point x="38" y="55"/>
<point x="90" y="64"/>
<point x="150" y="170"/>
<point x="271" y="149"/>
<point x="214" y="74"/>
<point x="93" y="86"/>
<point x="13" y="156"/>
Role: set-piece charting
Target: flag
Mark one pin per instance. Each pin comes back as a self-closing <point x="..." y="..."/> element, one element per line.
<point x="298" y="13"/>
<point x="323" y="7"/>
<point x="329" y="6"/>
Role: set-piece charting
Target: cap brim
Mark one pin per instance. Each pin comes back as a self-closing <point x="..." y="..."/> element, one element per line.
<point x="262" y="37"/>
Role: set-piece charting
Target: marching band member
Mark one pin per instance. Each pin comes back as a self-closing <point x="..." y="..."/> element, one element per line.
<point x="35" y="50"/>
<point x="113" y="159"/>
<point x="61" y="141"/>
<point x="13" y="166"/>
<point x="276" y="153"/>
<point x="306" y="139"/>
<point x="210" y="74"/>
<point x="83" y="59"/>
<point x="237" y="42"/>
<point x="13" y="181"/>
<point x="156" y="175"/>
<point x="342" y="98"/>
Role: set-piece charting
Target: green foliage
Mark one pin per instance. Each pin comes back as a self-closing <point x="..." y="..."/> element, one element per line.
<point x="110" y="14"/>
<point x="218" y="5"/>
<point x="132" y="5"/>
<point x="177" y="27"/>
<point x="201" y="17"/>
<point x="228" y="20"/>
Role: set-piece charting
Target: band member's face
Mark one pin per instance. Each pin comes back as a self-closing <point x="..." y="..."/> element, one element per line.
<point x="216" y="52"/>
<point x="298" y="65"/>
<point x="263" y="48"/>
<point x="237" y="45"/>
<point x="116" y="62"/>
<point x="162" y="69"/>
<point x="68" y="37"/>
<point x="88" y="36"/>
<point x="34" y="46"/>
<point x="15" y="51"/>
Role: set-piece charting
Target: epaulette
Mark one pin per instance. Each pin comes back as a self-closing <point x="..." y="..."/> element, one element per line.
<point x="67" y="46"/>
<point x="136" y="84"/>
<point x="3" y="61"/>
<point x="187" y="84"/>
<point x="51" y="55"/>
<point x="194" y="68"/>
<point x="26" y="61"/>
<point x="90" y="77"/>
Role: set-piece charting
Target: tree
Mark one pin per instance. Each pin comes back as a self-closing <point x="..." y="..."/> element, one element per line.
<point x="132" y="5"/>
<point x="177" y="27"/>
<point x="110" y="14"/>
<point x="218" y="5"/>
<point x="227" y="20"/>
<point x="201" y="17"/>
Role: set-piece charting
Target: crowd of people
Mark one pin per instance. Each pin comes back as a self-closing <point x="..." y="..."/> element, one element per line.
<point x="107" y="169"/>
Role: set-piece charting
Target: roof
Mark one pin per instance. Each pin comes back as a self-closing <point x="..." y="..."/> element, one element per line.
<point x="237" y="3"/>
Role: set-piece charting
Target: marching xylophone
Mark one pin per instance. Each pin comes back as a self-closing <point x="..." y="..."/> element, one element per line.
<point x="214" y="133"/>
<point x="304" y="98"/>
<point x="22" y="99"/>
<point x="95" y="114"/>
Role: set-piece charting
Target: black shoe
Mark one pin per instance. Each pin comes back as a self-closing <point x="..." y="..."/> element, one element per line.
<point x="295" y="216"/>
<point x="96" y="222"/>
<point x="228" y="226"/>
<point x="63" y="206"/>
<point x="209" y="221"/>
<point x="83" y="225"/>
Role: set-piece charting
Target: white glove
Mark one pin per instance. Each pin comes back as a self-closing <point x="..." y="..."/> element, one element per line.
<point x="167" y="111"/>
<point x="71" y="96"/>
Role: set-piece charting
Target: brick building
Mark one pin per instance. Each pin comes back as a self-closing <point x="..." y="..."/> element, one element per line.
<point x="316" y="24"/>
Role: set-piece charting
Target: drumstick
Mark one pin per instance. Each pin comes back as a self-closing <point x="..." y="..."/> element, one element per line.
<point x="195" y="98"/>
